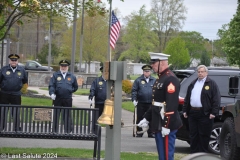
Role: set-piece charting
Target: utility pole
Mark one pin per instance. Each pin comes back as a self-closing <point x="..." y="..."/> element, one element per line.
<point x="81" y="38"/>
<point x="50" y="41"/>
<point x="74" y="36"/>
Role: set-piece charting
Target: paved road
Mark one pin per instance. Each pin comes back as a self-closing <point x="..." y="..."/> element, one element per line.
<point x="128" y="143"/>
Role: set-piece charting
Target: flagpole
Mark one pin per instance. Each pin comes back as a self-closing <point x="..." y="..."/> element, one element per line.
<point x="109" y="30"/>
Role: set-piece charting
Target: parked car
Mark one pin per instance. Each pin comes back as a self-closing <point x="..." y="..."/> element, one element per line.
<point x="230" y="133"/>
<point x="220" y="76"/>
<point x="34" y="65"/>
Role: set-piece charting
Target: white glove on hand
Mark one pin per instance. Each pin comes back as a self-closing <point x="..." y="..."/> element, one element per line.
<point x="143" y="123"/>
<point x="53" y="96"/>
<point x="90" y="101"/>
<point x="165" y="131"/>
<point x="135" y="103"/>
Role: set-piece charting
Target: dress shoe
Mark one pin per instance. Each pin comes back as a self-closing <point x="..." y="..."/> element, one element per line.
<point x="151" y="136"/>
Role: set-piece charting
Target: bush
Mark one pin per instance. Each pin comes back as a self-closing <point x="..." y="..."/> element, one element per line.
<point x="127" y="86"/>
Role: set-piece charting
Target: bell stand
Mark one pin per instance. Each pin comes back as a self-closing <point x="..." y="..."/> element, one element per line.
<point x="113" y="132"/>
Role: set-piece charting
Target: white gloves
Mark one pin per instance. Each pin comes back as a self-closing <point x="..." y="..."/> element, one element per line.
<point x="143" y="123"/>
<point x="135" y="103"/>
<point x="53" y="96"/>
<point x="165" y="131"/>
<point x="90" y="101"/>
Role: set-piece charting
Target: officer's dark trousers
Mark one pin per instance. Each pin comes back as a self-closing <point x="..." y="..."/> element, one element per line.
<point x="200" y="127"/>
<point x="65" y="115"/>
<point x="166" y="145"/>
<point x="15" y="111"/>
<point x="141" y="110"/>
<point x="100" y="107"/>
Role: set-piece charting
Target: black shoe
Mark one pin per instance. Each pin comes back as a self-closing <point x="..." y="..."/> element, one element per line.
<point x="139" y="135"/>
<point x="151" y="136"/>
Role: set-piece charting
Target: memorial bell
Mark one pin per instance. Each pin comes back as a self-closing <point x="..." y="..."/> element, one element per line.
<point x="107" y="116"/>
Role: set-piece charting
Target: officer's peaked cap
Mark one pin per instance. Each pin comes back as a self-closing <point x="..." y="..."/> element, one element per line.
<point x="64" y="63"/>
<point x="158" y="57"/>
<point x="146" y="67"/>
<point x="13" y="57"/>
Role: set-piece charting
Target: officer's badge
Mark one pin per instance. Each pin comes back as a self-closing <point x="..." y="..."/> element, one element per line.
<point x="143" y="82"/>
<point x="59" y="78"/>
<point x="7" y="73"/>
<point x="19" y="73"/>
<point x="69" y="79"/>
<point x="207" y="87"/>
<point x="171" y="88"/>
<point x="100" y="83"/>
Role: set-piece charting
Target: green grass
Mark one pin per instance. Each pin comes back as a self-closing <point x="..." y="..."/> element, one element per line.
<point x="81" y="153"/>
<point x="28" y="101"/>
<point x="128" y="105"/>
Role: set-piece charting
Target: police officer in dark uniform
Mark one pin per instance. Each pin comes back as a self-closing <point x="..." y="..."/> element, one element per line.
<point x="12" y="78"/>
<point x="61" y="86"/>
<point x="142" y="96"/>
<point x="98" y="90"/>
<point x="163" y="113"/>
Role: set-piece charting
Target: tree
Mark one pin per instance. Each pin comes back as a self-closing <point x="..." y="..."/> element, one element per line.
<point x="194" y="43"/>
<point x="138" y="36"/>
<point x="95" y="39"/>
<point x="14" y="10"/>
<point x="179" y="53"/>
<point x="43" y="55"/>
<point x="205" y="59"/>
<point x="169" y="18"/>
<point x="230" y="38"/>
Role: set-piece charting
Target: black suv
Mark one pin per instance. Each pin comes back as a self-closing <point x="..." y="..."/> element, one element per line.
<point x="221" y="77"/>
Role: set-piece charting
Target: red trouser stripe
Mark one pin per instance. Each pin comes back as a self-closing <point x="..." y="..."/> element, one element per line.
<point x="166" y="147"/>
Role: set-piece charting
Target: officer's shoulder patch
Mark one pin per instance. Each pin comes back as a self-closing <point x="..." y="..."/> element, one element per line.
<point x="171" y="88"/>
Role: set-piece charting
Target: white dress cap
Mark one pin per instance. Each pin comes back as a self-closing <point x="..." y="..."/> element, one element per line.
<point x="158" y="56"/>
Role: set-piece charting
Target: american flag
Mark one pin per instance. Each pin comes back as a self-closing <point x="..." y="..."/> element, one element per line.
<point x="115" y="29"/>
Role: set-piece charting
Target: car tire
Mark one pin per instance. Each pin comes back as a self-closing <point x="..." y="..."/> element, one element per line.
<point x="228" y="147"/>
<point x="214" y="145"/>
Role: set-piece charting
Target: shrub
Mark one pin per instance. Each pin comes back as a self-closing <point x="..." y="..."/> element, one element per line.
<point x="127" y="86"/>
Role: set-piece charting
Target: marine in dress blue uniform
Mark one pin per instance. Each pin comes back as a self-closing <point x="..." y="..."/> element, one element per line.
<point x="142" y="96"/>
<point x="98" y="90"/>
<point x="12" y="78"/>
<point x="163" y="114"/>
<point x="61" y="86"/>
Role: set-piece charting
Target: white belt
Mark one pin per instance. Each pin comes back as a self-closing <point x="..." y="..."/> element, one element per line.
<point x="159" y="104"/>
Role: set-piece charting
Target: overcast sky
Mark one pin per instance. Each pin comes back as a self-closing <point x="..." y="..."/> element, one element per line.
<point x="204" y="16"/>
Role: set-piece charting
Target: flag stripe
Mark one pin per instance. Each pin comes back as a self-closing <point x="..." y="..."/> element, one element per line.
<point x="115" y="29"/>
